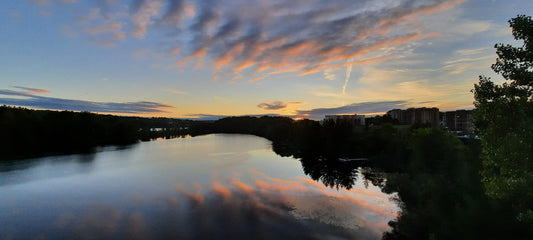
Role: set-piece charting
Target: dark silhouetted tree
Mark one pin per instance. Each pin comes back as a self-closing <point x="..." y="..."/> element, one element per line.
<point x="504" y="121"/>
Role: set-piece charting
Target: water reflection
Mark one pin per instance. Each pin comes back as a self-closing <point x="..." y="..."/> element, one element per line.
<point x="21" y="171"/>
<point x="331" y="171"/>
<point x="198" y="188"/>
<point x="269" y="208"/>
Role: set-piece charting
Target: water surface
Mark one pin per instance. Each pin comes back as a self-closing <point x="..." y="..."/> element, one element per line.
<point x="217" y="186"/>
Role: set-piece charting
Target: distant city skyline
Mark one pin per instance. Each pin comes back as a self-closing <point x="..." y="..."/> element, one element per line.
<point x="209" y="59"/>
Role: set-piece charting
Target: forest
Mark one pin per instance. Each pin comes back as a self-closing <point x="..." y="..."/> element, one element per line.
<point x="29" y="133"/>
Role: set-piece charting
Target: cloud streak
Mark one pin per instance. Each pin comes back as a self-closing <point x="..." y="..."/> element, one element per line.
<point x="364" y="107"/>
<point x="213" y="117"/>
<point x="29" y="99"/>
<point x="348" y="73"/>
<point x="32" y="90"/>
<point x="277" y="105"/>
<point x="175" y="91"/>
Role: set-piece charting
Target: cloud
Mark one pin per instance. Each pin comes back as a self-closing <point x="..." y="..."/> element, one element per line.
<point x="475" y="51"/>
<point x="213" y="117"/>
<point x="272" y="37"/>
<point x="28" y="99"/>
<point x="329" y="75"/>
<point x="111" y="27"/>
<point x="277" y="105"/>
<point x="174" y="13"/>
<point x="33" y="90"/>
<point x="360" y="108"/>
<point x="348" y="73"/>
<point x="106" y="34"/>
<point x="102" y="26"/>
<point x="146" y="9"/>
<point x="256" y="79"/>
<point x="176" y="91"/>
<point x="469" y="59"/>
<point x="205" y="117"/>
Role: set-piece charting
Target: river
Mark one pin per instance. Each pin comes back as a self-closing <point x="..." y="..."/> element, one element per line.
<point x="218" y="186"/>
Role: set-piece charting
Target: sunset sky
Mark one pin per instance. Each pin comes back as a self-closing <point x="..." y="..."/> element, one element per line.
<point x="212" y="58"/>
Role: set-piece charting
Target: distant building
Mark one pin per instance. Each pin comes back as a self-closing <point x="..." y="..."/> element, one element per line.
<point x="396" y="114"/>
<point x="459" y="120"/>
<point x="353" y="119"/>
<point x="416" y="115"/>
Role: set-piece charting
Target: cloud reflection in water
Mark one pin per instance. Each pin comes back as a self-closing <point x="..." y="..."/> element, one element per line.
<point x="263" y="208"/>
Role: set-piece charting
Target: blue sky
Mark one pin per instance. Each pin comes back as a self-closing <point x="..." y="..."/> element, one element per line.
<point x="304" y="58"/>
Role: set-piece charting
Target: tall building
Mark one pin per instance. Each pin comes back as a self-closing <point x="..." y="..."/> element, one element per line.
<point x="353" y="119"/>
<point x="397" y="114"/>
<point x="416" y="115"/>
<point x="459" y="120"/>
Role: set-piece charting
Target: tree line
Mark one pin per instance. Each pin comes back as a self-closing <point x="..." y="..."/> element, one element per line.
<point x="26" y="133"/>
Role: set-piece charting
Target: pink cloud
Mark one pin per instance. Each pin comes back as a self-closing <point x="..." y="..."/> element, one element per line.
<point x="143" y="18"/>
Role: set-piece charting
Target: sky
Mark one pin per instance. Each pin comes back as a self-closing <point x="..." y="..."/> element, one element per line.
<point x="204" y="59"/>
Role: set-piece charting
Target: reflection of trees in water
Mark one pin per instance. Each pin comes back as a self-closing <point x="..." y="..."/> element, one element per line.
<point x="435" y="177"/>
<point x="441" y="194"/>
<point x="18" y="171"/>
<point x="330" y="171"/>
<point x="371" y="175"/>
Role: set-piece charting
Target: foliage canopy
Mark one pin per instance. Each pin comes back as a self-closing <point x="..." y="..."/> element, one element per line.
<point x="504" y="120"/>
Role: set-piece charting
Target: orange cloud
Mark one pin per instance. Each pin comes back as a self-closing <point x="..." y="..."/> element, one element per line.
<point x="312" y="70"/>
<point x="189" y="9"/>
<point x="243" y="186"/>
<point x="256" y="79"/>
<point x="197" y="196"/>
<point x="243" y="65"/>
<point x="342" y="195"/>
<point x="180" y="64"/>
<point x="255" y="172"/>
<point x="254" y="51"/>
<point x="294" y="67"/>
<point x="303" y="48"/>
<point x="293" y="185"/>
<point x="292" y="58"/>
<point x="261" y="48"/>
<point x="222" y="190"/>
<point x="32" y="90"/>
<point x="223" y="61"/>
<point x="200" y="53"/>
<point x="227" y="58"/>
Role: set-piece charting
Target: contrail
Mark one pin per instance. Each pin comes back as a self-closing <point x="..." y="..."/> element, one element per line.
<point x="348" y="73"/>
